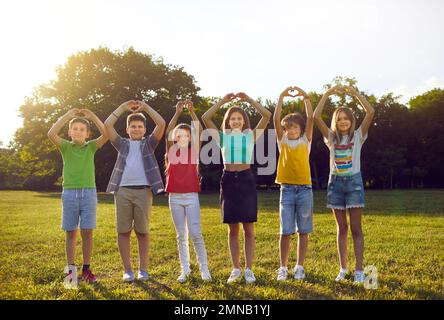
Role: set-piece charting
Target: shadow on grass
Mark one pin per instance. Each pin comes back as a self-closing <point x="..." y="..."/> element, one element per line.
<point x="155" y="289"/>
<point x="419" y="292"/>
<point x="89" y="291"/>
<point x="393" y="204"/>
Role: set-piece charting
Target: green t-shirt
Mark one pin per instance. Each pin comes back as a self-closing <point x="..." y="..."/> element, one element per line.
<point x="78" y="164"/>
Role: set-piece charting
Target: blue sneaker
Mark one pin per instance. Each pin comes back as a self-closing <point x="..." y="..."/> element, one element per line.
<point x="142" y="275"/>
<point x="128" y="276"/>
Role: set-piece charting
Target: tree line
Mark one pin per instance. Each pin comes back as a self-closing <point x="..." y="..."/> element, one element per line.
<point x="405" y="147"/>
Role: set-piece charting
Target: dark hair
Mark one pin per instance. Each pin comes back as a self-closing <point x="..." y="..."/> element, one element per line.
<point x="80" y="120"/>
<point x="230" y="111"/>
<point x="292" y="119"/>
<point x="135" y="117"/>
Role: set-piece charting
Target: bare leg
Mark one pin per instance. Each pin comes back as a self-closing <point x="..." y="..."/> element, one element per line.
<point x="249" y="244"/>
<point x="358" y="237"/>
<point x="143" y="239"/>
<point x="123" y="240"/>
<point x="70" y="246"/>
<point x="284" y="246"/>
<point x="87" y="245"/>
<point x="342" y="232"/>
<point x="233" y="242"/>
<point x="302" y="247"/>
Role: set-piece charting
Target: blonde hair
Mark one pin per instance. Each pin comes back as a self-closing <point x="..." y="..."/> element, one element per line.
<point x="349" y="113"/>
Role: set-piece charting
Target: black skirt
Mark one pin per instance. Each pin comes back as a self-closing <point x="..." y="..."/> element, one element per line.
<point x="238" y="197"/>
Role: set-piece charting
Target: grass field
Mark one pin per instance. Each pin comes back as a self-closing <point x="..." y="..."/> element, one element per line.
<point x="404" y="239"/>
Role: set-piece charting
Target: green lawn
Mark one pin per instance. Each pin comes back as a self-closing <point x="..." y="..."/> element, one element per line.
<point x="404" y="238"/>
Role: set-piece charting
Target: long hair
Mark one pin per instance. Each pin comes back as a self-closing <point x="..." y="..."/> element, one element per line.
<point x="182" y="126"/>
<point x="230" y="111"/>
<point x="349" y="113"/>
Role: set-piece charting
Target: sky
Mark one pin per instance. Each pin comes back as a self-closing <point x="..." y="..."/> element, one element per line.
<point x="260" y="47"/>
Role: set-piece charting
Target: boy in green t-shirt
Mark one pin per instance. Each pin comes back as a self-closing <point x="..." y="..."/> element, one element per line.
<point x="79" y="198"/>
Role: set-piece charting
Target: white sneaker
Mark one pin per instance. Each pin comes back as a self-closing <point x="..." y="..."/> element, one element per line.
<point x="205" y="274"/>
<point x="299" y="273"/>
<point x="249" y="276"/>
<point x="70" y="281"/>
<point x="359" y="277"/>
<point x="282" y="274"/>
<point x="142" y="275"/>
<point x="128" y="276"/>
<point x="341" y="275"/>
<point x="183" y="276"/>
<point x="235" y="275"/>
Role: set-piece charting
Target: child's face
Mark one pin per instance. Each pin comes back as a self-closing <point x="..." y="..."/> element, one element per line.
<point x="293" y="131"/>
<point x="136" y="130"/>
<point x="343" y="123"/>
<point x="182" y="137"/>
<point x="78" y="132"/>
<point x="236" y="121"/>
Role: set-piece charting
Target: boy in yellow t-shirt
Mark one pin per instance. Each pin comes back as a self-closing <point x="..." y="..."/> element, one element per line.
<point x="293" y="174"/>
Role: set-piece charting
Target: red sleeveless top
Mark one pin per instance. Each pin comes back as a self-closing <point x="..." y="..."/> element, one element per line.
<point x="182" y="176"/>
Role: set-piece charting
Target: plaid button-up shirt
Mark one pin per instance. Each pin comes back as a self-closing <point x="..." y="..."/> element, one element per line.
<point x="150" y="164"/>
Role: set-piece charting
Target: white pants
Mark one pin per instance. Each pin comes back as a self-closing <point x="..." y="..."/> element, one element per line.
<point x="185" y="210"/>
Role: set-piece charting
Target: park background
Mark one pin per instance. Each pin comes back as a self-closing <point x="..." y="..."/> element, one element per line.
<point x="246" y="46"/>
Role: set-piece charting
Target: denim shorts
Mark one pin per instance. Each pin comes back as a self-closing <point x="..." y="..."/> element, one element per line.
<point x="296" y="209"/>
<point x="345" y="192"/>
<point x="79" y="206"/>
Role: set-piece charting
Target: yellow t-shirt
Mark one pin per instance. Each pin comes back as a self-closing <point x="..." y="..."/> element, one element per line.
<point x="293" y="165"/>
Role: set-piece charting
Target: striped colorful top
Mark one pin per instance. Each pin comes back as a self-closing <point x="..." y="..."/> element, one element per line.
<point x="345" y="157"/>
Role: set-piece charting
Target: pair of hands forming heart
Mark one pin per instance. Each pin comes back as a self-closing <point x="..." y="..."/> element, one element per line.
<point x="343" y="90"/>
<point x="188" y="104"/>
<point x="76" y="112"/>
<point x="240" y="95"/>
<point x="293" y="92"/>
<point x="134" y="106"/>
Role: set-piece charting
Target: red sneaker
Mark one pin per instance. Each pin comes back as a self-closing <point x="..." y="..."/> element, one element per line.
<point x="88" y="276"/>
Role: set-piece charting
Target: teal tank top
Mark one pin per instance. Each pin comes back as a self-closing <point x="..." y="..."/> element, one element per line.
<point x="237" y="148"/>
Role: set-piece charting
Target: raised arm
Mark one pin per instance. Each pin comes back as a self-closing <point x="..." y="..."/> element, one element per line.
<point x="266" y="115"/>
<point x="308" y="112"/>
<point x="112" y="119"/>
<point x="157" y="118"/>
<point x="100" y="141"/>
<point x="369" y="110"/>
<point x="196" y="142"/>
<point x="53" y="133"/>
<point x="278" y="112"/>
<point x="207" y="117"/>
<point x="172" y="124"/>
<point x="320" y="107"/>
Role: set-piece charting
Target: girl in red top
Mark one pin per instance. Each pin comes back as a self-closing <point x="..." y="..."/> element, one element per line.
<point x="183" y="185"/>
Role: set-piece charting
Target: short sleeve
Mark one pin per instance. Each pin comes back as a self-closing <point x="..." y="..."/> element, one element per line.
<point x="117" y="142"/>
<point x="153" y="141"/>
<point x="358" y="134"/>
<point x="64" y="144"/>
<point x="92" y="145"/>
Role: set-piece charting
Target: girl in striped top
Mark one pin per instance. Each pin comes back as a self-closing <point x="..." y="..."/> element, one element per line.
<point x="345" y="186"/>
